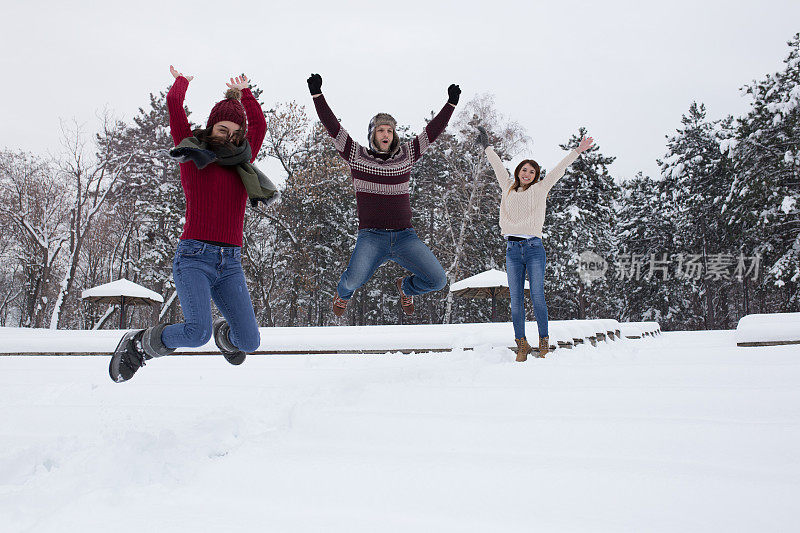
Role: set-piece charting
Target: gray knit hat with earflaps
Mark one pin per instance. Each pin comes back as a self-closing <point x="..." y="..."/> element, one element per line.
<point x="383" y="119"/>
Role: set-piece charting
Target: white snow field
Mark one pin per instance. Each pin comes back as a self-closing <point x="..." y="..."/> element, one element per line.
<point x="679" y="432"/>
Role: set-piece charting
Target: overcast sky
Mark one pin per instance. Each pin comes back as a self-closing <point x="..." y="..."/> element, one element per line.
<point x="625" y="70"/>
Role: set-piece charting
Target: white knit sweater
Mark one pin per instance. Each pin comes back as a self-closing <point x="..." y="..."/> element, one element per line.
<point x="522" y="212"/>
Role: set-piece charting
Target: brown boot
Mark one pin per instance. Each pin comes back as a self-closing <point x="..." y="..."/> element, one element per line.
<point x="406" y="302"/>
<point x="523" y="349"/>
<point x="339" y="305"/>
<point x="544" y="346"/>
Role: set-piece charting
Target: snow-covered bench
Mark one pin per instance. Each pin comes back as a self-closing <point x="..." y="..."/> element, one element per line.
<point x="612" y="327"/>
<point x="768" y="329"/>
<point x="637" y="330"/>
<point x="575" y="332"/>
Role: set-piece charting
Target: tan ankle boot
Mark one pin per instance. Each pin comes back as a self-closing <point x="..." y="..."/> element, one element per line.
<point x="406" y="302"/>
<point x="523" y="349"/>
<point x="544" y="346"/>
<point x="339" y="306"/>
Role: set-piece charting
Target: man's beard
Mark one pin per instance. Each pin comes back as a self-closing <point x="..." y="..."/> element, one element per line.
<point x="378" y="146"/>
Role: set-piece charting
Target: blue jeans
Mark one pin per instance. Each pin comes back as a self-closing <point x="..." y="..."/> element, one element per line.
<point x="521" y="257"/>
<point x="375" y="247"/>
<point x="204" y="271"/>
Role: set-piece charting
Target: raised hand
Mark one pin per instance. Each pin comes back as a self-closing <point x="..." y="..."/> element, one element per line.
<point x="239" y="82"/>
<point x="177" y="74"/>
<point x="483" y="137"/>
<point x="453" y="93"/>
<point x="315" y="84"/>
<point x="585" y="144"/>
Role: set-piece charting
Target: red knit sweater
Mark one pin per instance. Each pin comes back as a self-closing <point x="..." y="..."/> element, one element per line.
<point x="215" y="195"/>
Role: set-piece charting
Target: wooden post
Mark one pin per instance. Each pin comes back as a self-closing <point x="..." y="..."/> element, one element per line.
<point x="122" y="314"/>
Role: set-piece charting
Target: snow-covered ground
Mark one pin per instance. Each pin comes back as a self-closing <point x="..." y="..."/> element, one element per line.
<point x="375" y="339"/>
<point x="679" y="432"/>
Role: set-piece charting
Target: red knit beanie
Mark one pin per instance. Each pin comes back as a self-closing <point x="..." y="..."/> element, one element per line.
<point x="229" y="109"/>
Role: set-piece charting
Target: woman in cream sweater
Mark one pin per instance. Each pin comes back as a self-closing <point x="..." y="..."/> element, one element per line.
<point x="522" y="208"/>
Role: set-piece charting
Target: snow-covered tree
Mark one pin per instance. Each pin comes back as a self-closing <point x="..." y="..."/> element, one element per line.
<point x="456" y="200"/>
<point x="646" y="231"/>
<point x="581" y="217"/>
<point x="698" y="176"/>
<point x="763" y="203"/>
<point x="266" y="233"/>
<point x="88" y="180"/>
<point x="34" y="203"/>
<point x="149" y="203"/>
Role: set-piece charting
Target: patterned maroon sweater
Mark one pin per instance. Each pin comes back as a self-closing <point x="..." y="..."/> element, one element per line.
<point x="381" y="185"/>
<point x="215" y="195"/>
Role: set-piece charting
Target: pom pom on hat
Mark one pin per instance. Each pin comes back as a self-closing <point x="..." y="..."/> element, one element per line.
<point x="233" y="94"/>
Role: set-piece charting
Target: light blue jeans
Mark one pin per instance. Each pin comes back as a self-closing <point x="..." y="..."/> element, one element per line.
<point x="204" y="271"/>
<point x="526" y="257"/>
<point x="375" y="247"/>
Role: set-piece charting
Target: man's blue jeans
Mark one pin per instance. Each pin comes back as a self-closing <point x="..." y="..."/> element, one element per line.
<point x="204" y="271"/>
<point x="521" y="257"/>
<point x="375" y="247"/>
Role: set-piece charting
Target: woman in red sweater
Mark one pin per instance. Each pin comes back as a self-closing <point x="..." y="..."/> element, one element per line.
<point x="207" y="262"/>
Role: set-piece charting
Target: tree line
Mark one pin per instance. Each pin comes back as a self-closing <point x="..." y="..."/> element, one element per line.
<point x="714" y="236"/>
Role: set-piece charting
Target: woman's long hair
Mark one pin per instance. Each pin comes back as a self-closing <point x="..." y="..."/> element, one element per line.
<point x="535" y="166"/>
<point x="205" y="135"/>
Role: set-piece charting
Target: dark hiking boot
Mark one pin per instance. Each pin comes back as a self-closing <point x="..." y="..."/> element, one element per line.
<point x="523" y="349"/>
<point x="232" y="354"/>
<point x="134" y="349"/>
<point x="406" y="302"/>
<point x="128" y="357"/>
<point x="544" y="346"/>
<point x="339" y="305"/>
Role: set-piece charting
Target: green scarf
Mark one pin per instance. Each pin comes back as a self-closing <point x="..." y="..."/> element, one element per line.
<point x="259" y="187"/>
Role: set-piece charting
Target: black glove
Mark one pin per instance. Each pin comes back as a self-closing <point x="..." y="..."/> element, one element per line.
<point x="276" y="196"/>
<point x="483" y="137"/>
<point x="453" y="92"/>
<point x="315" y="84"/>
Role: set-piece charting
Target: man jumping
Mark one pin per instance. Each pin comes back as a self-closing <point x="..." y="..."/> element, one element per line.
<point x="380" y="173"/>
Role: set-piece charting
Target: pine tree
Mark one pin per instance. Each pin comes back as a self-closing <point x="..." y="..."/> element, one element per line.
<point x="699" y="176"/>
<point x="581" y="217"/>
<point x="646" y="229"/>
<point x="764" y="200"/>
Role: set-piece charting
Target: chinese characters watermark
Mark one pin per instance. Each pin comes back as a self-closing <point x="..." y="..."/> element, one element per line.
<point x="630" y="266"/>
